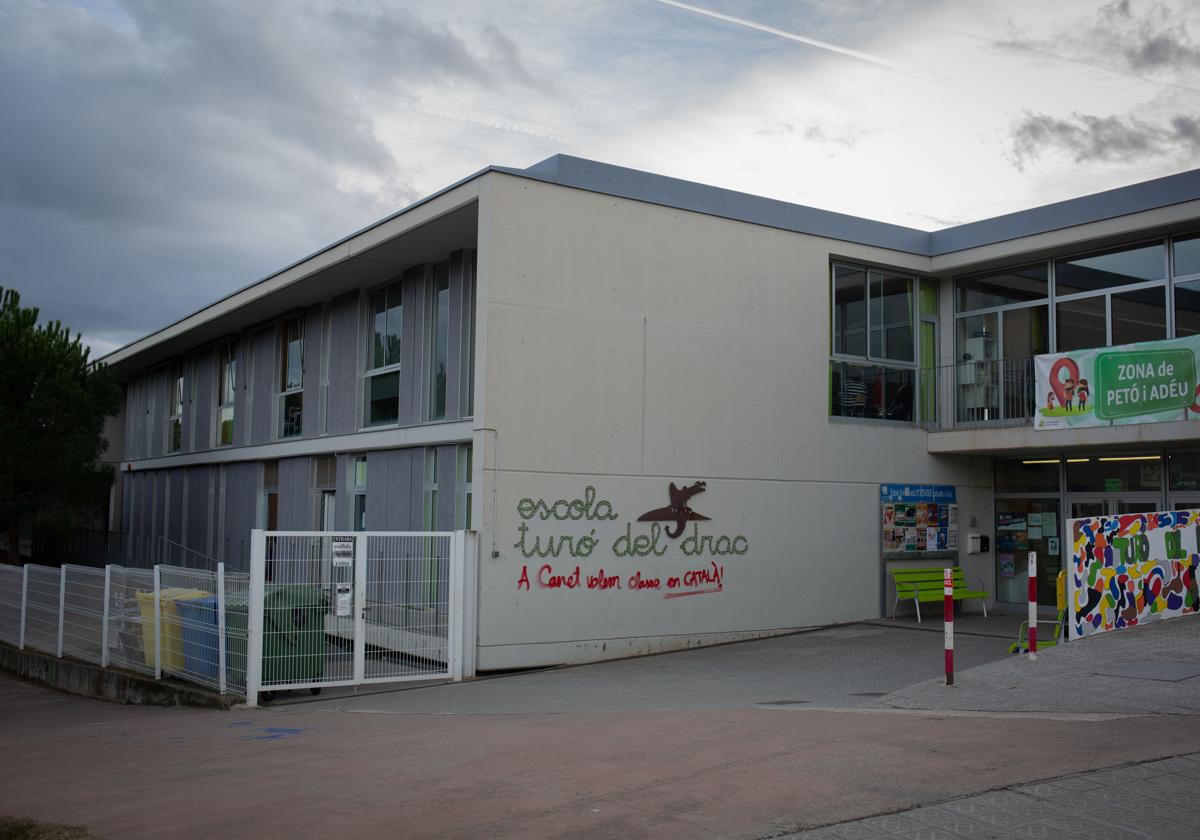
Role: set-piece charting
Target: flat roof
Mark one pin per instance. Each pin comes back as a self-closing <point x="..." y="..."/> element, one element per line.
<point x="623" y="182"/>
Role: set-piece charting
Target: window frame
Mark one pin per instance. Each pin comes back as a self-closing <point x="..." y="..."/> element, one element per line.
<point x="176" y="400"/>
<point x="283" y="392"/>
<point x="226" y="358"/>
<point x="368" y="345"/>
<point x="439" y="270"/>
<point x="868" y="360"/>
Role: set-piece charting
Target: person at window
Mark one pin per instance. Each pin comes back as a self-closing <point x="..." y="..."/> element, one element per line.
<point x="853" y="398"/>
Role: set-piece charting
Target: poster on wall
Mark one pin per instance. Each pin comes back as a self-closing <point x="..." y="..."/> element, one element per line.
<point x="918" y="518"/>
<point x="1150" y="382"/>
<point x="1131" y="569"/>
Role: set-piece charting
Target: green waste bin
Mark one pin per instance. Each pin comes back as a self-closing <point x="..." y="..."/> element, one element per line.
<point x="293" y="635"/>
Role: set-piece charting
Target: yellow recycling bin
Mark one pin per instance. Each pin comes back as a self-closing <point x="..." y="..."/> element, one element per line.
<point x="172" y="644"/>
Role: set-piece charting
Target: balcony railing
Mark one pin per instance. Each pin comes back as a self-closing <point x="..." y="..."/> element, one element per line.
<point x="986" y="393"/>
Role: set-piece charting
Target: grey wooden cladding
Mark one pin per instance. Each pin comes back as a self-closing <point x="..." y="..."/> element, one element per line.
<point x="331" y="407"/>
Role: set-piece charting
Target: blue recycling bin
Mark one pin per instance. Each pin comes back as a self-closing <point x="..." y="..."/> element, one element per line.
<point x="200" y="651"/>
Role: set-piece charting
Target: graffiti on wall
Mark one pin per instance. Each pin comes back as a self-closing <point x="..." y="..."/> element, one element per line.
<point x="1133" y="568"/>
<point x="701" y="572"/>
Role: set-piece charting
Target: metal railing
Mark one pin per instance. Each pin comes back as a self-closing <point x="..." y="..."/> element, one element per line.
<point x="985" y="393"/>
<point x="316" y="609"/>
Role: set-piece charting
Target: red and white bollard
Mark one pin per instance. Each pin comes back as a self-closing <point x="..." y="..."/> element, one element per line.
<point x="948" y="614"/>
<point x="1033" y="610"/>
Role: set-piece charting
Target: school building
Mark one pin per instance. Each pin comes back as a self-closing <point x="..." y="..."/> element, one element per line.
<point x="675" y="414"/>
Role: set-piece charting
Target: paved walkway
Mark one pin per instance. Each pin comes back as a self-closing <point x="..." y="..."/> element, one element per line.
<point x="1144" y="670"/>
<point x="1157" y="799"/>
<point x="713" y="743"/>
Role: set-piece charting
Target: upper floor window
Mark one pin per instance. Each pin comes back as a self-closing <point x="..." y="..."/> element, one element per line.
<point x="358" y="479"/>
<point x="226" y="392"/>
<point x="291" y="378"/>
<point x="382" y="381"/>
<point x="175" y="421"/>
<point x="873" y="364"/>
<point x="440" y="344"/>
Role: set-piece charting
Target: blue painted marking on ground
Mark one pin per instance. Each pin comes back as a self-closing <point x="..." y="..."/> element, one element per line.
<point x="272" y="733"/>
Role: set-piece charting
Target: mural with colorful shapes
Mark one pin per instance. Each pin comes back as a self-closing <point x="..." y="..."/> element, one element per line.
<point x="1130" y="569"/>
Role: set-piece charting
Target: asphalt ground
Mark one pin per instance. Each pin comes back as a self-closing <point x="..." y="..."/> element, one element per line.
<point x="688" y="745"/>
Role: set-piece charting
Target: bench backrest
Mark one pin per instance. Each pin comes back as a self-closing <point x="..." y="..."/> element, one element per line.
<point x="927" y="579"/>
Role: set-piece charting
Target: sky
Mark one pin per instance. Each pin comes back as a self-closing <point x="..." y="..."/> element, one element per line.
<point x="157" y="156"/>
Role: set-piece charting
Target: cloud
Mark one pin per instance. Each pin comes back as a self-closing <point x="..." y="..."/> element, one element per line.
<point x="1152" y="38"/>
<point x="1088" y="138"/>
<point x="167" y="153"/>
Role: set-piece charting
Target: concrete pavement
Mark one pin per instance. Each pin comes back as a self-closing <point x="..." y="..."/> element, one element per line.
<point x="687" y="745"/>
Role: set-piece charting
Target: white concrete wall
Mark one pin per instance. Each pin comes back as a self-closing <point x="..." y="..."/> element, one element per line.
<point x="629" y="345"/>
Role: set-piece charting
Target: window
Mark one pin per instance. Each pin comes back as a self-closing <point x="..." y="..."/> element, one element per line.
<point x="358" y="480"/>
<point x="175" y="421"/>
<point x="382" y="381"/>
<point x="462" y="518"/>
<point x="1113" y="268"/>
<point x="873" y="369"/>
<point x="325" y="485"/>
<point x="439" y="347"/>
<point x="1016" y="285"/>
<point x="270" y="484"/>
<point x="291" y="378"/>
<point x="1186" y="254"/>
<point x="226" y="392"/>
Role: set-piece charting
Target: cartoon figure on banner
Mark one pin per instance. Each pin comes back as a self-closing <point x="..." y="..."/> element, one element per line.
<point x="1081" y="393"/>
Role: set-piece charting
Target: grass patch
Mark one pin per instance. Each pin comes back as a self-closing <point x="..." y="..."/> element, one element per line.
<point x="18" y="829"/>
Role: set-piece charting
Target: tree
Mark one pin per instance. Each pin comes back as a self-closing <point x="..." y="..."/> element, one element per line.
<point x="53" y="404"/>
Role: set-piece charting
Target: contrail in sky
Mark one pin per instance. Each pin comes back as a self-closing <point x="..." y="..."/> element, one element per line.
<point x="791" y="36"/>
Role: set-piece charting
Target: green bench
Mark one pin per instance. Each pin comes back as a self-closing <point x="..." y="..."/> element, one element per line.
<point x="1021" y="645"/>
<point x="925" y="586"/>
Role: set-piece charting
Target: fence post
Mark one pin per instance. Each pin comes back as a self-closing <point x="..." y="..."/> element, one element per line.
<point x="948" y="617"/>
<point x="254" y="617"/>
<point x="24" y="600"/>
<point x="62" y="604"/>
<point x="221" y="627"/>
<point x="454" y="640"/>
<point x="104" y="614"/>
<point x="157" y="623"/>
<point x="1033" y="605"/>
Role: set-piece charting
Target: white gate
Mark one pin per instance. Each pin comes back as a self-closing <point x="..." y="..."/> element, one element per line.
<point x="346" y="608"/>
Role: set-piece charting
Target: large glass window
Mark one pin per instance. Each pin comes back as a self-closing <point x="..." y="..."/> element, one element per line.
<point x="1015" y="285"/>
<point x="1185" y="470"/>
<point x="874" y="325"/>
<point x="382" y="382"/>
<point x="226" y="392"/>
<point x="1082" y="323"/>
<point x="1114" y="473"/>
<point x="1030" y="475"/>
<point x="1187" y="256"/>
<point x="1113" y="268"/>
<point x="175" y="421"/>
<point x="439" y="350"/>
<point x="1140" y="315"/>
<point x="1187" y="308"/>
<point x="291" y="378"/>
<point x="890" y="302"/>
<point x="849" y="310"/>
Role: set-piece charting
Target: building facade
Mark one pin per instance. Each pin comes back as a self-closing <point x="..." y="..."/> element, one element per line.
<point x="668" y="409"/>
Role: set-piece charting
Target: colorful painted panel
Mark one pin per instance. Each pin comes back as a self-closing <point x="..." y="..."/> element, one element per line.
<point x="1127" y="570"/>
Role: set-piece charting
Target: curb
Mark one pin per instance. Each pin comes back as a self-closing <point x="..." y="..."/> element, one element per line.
<point x="109" y="684"/>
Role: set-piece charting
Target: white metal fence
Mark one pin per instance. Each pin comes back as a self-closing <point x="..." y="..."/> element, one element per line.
<point x="317" y="609"/>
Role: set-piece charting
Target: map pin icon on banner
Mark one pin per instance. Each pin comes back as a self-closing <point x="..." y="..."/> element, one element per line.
<point x="1056" y="378"/>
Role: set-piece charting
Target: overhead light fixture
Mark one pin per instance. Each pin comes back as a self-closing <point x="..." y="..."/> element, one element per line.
<point x="1047" y="461"/>
<point x="1131" y="458"/>
<point x="1078" y="460"/>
